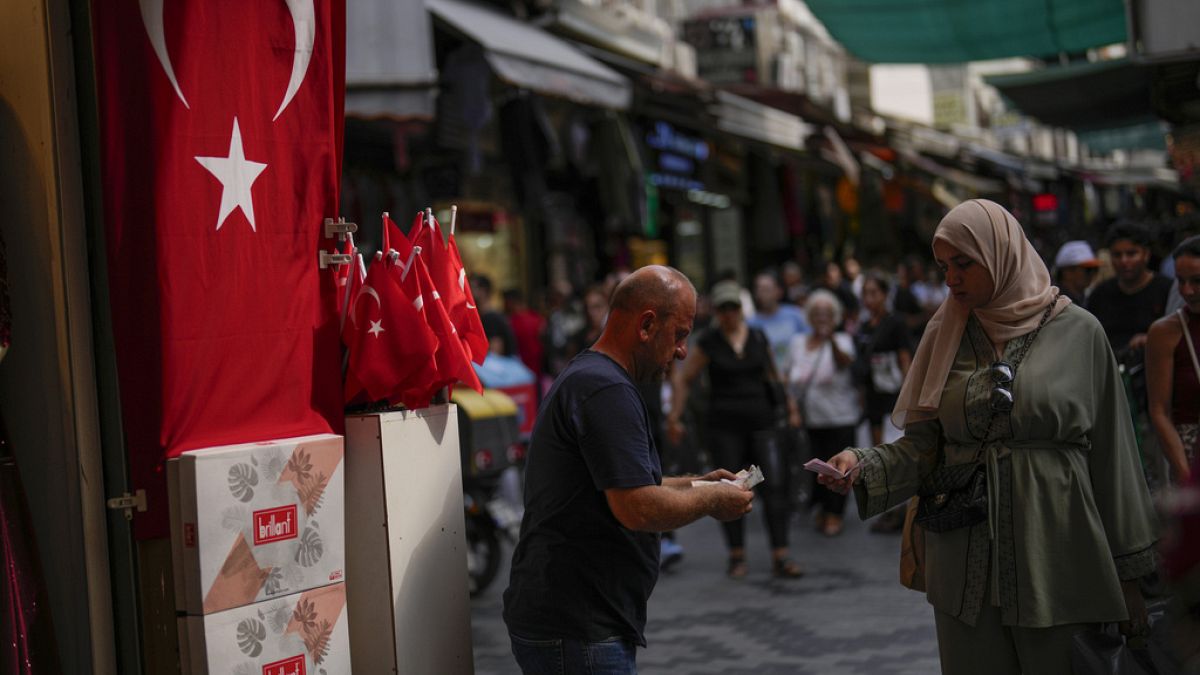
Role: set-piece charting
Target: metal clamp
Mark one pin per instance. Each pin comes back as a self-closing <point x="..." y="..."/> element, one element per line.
<point x="326" y="259"/>
<point x="129" y="502"/>
<point x="339" y="227"/>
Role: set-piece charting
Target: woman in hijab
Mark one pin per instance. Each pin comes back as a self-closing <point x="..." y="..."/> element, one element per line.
<point x="1014" y="382"/>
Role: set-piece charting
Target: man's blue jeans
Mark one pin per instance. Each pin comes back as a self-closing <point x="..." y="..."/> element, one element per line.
<point x="614" y="656"/>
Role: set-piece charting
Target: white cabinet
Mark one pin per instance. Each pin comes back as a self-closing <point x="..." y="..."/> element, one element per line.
<point x="405" y="544"/>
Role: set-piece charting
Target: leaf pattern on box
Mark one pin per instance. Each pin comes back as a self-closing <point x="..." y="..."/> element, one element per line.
<point x="250" y="636"/>
<point x="234" y="518"/>
<point x="316" y="633"/>
<point x="311" y="547"/>
<point x="311" y="491"/>
<point x="278" y="617"/>
<point x="300" y="463"/>
<point x="242" y="481"/>
<point x="271" y="466"/>
<point x="305" y="613"/>
<point x="274" y="581"/>
<point x="316" y="639"/>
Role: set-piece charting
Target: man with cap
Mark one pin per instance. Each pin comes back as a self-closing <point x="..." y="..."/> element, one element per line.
<point x="1075" y="266"/>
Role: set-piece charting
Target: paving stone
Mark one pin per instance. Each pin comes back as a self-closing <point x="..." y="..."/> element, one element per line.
<point x="847" y="616"/>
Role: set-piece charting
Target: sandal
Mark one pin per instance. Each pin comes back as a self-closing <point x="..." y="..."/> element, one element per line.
<point x="737" y="568"/>
<point x="833" y="526"/>
<point x="786" y="568"/>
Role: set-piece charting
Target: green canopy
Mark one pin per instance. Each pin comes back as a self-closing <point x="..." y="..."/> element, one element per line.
<point x="956" y="31"/>
<point x="1082" y="96"/>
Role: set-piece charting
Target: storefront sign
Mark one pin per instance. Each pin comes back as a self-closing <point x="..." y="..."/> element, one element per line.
<point x="675" y="158"/>
<point x="726" y="48"/>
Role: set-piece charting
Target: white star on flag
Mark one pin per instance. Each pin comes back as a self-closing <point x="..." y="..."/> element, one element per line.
<point x="376" y="328"/>
<point x="237" y="175"/>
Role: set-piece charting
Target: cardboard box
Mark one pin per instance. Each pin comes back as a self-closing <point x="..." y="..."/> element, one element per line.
<point x="300" y="634"/>
<point x="258" y="521"/>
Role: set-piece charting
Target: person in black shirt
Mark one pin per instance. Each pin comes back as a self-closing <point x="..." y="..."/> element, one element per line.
<point x="884" y="352"/>
<point x="1126" y="306"/>
<point x="588" y="555"/>
<point x="496" y="327"/>
<point x="883" y="348"/>
<point x="742" y="418"/>
<point x="1128" y="303"/>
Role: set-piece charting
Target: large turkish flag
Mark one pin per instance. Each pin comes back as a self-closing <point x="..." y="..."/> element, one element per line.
<point x="220" y="129"/>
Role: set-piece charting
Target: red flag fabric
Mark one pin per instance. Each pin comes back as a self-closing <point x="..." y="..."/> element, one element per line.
<point x="390" y="344"/>
<point x="220" y="147"/>
<point x="342" y="273"/>
<point x="450" y="281"/>
<point x="454" y="364"/>
<point x="416" y="231"/>
<point x="353" y="390"/>
<point x="466" y="315"/>
<point x="396" y="240"/>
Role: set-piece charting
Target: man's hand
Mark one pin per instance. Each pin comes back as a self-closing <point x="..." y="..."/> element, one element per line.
<point x="730" y="502"/>
<point x="1137" y="341"/>
<point x="1139" y="621"/>
<point x="719" y="474"/>
<point x="845" y="461"/>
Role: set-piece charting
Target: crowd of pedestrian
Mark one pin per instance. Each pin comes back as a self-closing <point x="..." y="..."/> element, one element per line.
<point x="917" y="370"/>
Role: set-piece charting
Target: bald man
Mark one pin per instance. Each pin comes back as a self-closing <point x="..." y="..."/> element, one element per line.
<point x="595" y="498"/>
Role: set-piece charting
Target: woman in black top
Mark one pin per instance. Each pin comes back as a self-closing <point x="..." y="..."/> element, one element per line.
<point x="884" y="346"/>
<point x="742" y="418"/>
<point x="884" y="353"/>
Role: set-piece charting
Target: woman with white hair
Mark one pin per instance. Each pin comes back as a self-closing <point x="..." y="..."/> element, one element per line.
<point x="1018" y="440"/>
<point x="819" y="374"/>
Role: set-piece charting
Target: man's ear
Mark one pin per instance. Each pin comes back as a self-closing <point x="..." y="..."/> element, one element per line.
<point x="646" y="323"/>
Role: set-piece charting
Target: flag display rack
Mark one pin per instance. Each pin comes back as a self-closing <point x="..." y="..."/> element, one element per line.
<point x="339" y="227"/>
<point x="342" y="230"/>
<point x="327" y="259"/>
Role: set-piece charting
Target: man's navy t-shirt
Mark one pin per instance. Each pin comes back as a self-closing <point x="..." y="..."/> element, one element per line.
<point x="577" y="572"/>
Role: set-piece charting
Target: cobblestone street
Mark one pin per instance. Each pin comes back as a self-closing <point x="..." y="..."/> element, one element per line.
<point x="847" y="616"/>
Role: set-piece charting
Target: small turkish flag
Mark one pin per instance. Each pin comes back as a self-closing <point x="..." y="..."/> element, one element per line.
<point x="454" y="364"/>
<point x="466" y="315"/>
<point x="391" y="347"/>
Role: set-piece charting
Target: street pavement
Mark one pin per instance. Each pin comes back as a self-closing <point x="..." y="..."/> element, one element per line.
<point x="847" y="616"/>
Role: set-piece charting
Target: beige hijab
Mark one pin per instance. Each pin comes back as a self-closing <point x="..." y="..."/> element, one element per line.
<point x="991" y="236"/>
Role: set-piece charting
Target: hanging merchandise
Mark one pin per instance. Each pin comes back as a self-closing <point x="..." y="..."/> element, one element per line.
<point x="220" y="144"/>
<point x="408" y="337"/>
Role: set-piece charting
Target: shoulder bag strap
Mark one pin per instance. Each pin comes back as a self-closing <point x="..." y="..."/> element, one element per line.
<point x="1187" y="336"/>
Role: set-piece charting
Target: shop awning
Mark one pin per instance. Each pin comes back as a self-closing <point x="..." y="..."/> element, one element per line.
<point x="529" y="57"/>
<point x="1082" y="96"/>
<point x="743" y="117"/>
<point x="390" y="71"/>
<point x="920" y="31"/>
<point x="1150" y="135"/>
<point x="957" y="180"/>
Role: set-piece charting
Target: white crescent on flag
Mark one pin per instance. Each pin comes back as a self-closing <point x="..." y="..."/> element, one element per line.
<point x="354" y="307"/>
<point x="152" y="18"/>
<point x="304" y="24"/>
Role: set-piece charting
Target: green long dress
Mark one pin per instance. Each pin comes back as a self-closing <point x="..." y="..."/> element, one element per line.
<point x="1070" y="515"/>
